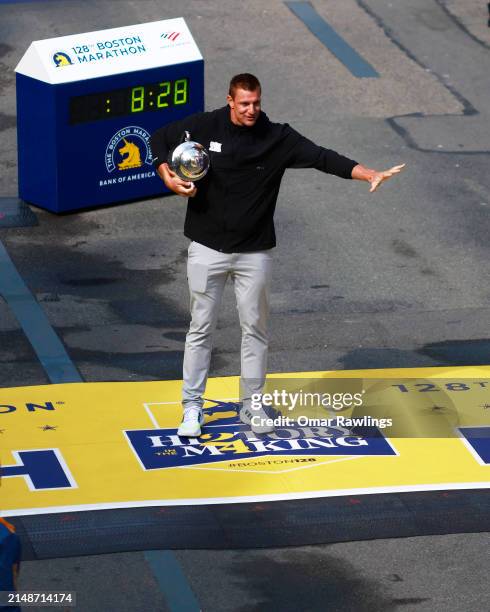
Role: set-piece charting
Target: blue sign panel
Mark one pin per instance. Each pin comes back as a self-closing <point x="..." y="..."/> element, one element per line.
<point x="478" y="441"/>
<point x="163" y="448"/>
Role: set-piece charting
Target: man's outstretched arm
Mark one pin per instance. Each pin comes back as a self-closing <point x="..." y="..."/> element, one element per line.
<point x="306" y="154"/>
<point x="374" y="177"/>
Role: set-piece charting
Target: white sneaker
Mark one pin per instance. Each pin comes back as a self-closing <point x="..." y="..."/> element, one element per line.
<point x="191" y="422"/>
<point x="258" y="425"/>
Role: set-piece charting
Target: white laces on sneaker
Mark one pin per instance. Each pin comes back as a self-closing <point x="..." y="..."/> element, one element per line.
<point x="192" y="415"/>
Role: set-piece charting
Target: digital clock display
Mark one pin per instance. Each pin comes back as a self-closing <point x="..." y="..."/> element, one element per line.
<point x="129" y="101"/>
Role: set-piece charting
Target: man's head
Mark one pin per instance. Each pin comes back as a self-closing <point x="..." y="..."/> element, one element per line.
<point x="244" y="99"/>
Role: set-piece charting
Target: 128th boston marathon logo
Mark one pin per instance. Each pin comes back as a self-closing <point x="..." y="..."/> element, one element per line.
<point x="128" y="149"/>
<point x="224" y="438"/>
<point x="62" y="59"/>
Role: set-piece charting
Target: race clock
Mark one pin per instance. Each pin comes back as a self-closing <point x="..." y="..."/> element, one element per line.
<point x="87" y="105"/>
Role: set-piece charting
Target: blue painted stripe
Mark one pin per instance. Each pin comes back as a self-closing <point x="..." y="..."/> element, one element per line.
<point x="329" y="37"/>
<point x="172" y="581"/>
<point x="24" y="1"/>
<point x="35" y="324"/>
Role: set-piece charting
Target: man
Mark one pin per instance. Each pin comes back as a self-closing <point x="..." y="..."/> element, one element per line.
<point x="9" y="560"/>
<point x="230" y="222"/>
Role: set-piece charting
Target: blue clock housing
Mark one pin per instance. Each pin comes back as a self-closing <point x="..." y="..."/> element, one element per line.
<point x="85" y="142"/>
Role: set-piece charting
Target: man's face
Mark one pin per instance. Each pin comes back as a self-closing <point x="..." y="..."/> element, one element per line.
<point x="244" y="107"/>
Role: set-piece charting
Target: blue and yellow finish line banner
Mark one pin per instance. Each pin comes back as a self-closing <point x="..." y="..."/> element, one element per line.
<point x="94" y="446"/>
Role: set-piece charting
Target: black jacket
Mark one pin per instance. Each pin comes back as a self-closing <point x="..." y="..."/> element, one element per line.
<point x="234" y="206"/>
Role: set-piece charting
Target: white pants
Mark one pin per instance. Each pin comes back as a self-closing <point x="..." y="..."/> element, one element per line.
<point x="207" y="272"/>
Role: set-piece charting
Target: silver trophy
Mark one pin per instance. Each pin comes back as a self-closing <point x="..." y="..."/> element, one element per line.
<point x="189" y="160"/>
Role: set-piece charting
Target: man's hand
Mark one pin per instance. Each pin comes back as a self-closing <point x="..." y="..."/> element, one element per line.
<point x="379" y="177"/>
<point x="374" y="177"/>
<point x="186" y="189"/>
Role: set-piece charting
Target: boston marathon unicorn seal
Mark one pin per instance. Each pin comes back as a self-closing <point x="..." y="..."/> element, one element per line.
<point x="133" y="157"/>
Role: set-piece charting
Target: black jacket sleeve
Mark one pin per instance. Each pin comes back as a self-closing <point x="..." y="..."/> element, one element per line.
<point x="169" y="136"/>
<point x="306" y="154"/>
